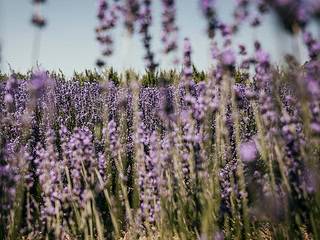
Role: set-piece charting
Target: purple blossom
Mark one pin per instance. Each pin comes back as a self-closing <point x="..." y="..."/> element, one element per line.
<point x="248" y="151"/>
<point x="131" y="11"/>
<point x="228" y="58"/>
<point x="169" y="27"/>
<point x="187" y="63"/>
<point x="209" y="12"/>
<point x="108" y="17"/>
<point x="145" y="23"/>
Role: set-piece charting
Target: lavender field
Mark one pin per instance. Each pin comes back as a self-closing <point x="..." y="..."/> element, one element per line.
<point x="232" y="152"/>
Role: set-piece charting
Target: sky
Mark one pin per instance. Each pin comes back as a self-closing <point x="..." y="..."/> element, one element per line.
<point x="68" y="41"/>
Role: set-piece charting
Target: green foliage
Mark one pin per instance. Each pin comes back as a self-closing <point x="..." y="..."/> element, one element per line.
<point x="58" y="75"/>
<point x="3" y="76"/>
<point x="113" y="76"/>
<point x="168" y="77"/>
<point x="150" y="78"/>
<point x="240" y="76"/>
<point x="87" y="76"/>
<point x="198" y="76"/>
<point x="147" y="79"/>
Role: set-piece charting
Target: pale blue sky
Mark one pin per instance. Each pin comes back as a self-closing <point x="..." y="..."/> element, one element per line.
<point x="68" y="42"/>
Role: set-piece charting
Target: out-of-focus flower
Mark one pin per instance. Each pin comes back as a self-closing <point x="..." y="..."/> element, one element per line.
<point x="228" y="58"/>
<point x="169" y="27"/>
<point x="209" y="12"/>
<point x="131" y="12"/>
<point x="108" y="18"/>
<point x="248" y="151"/>
<point x="187" y="63"/>
<point x="37" y="19"/>
<point x="145" y="24"/>
<point x="312" y="44"/>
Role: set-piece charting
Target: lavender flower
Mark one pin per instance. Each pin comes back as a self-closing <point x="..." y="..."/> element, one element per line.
<point x="248" y="151"/>
<point x="169" y="28"/>
<point x="81" y="157"/>
<point x="108" y="18"/>
<point x="37" y="19"/>
<point x="49" y="171"/>
<point x="131" y="12"/>
<point x="209" y="12"/>
<point x="291" y="14"/>
<point x="113" y="138"/>
<point x="187" y="63"/>
<point x="228" y="58"/>
<point x="312" y="44"/>
<point x="145" y="23"/>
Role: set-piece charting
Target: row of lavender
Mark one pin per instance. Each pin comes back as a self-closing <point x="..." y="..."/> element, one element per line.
<point x="233" y="156"/>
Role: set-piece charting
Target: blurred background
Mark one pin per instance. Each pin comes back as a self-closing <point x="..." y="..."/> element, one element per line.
<point x="68" y="41"/>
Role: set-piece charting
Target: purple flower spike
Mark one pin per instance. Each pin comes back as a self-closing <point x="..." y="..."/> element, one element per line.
<point x="145" y="24"/>
<point x="169" y="28"/>
<point x="108" y="18"/>
<point x="187" y="63"/>
<point x="131" y="11"/>
<point x="209" y="12"/>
